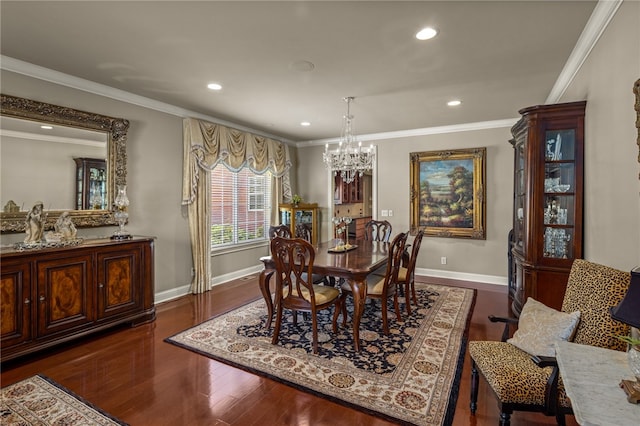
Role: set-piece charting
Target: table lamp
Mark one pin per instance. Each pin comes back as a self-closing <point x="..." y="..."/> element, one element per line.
<point x="628" y="312"/>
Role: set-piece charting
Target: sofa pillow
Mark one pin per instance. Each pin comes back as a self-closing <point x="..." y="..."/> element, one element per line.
<point x="540" y="326"/>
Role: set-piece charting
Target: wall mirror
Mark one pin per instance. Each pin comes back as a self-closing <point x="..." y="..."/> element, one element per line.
<point x="37" y="166"/>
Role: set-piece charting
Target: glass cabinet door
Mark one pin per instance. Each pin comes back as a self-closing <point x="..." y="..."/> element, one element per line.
<point x="559" y="191"/>
<point x="519" y="210"/>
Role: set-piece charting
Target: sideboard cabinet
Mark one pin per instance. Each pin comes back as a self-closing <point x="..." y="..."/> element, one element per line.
<point x="55" y="295"/>
<point x="548" y="202"/>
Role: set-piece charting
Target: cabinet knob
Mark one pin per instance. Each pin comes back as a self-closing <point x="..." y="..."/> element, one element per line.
<point x="100" y="285"/>
<point x="42" y="298"/>
<point x="27" y="301"/>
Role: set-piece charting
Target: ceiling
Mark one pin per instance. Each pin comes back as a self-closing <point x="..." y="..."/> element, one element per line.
<point x="495" y="56"/>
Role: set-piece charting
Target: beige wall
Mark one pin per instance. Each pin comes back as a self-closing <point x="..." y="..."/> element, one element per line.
<point x="612" y="187"/>
<point x="479" y="258"/>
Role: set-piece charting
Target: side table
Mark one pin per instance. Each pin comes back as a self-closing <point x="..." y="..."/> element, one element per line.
<point x="591" y="378"/>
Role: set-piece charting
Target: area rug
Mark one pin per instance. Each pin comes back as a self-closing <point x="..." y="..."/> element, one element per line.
<point x="38" y="400"/>
<point x="410" y="376"/>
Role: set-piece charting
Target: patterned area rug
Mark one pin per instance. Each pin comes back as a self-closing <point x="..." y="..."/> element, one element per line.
<point x="39" y="400"/>
<point x="410" y="376"/>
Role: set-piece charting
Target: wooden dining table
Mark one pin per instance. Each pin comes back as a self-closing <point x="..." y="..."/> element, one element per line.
<point x="353" y="265"/>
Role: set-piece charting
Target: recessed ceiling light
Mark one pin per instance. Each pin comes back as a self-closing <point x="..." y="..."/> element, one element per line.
<point x="305" y="123"/>
<point x="46" y="127"/>
<point x="455" y="102"/>
<point x="214" y="86"/>
<point x="426" y="33"/>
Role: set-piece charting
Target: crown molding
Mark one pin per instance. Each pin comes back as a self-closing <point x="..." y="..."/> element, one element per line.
<point x="454" y="128"/>
<point x="41" y="73"/>
<point x="597" y="23"/>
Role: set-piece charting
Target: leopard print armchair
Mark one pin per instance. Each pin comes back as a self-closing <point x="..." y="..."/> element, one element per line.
<point x="525" y="383"/>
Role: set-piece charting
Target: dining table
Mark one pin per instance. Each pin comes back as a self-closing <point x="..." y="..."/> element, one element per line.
<point x="354" y="265"/>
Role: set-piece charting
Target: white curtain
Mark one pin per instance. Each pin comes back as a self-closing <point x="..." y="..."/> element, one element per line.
<point x="205" y="146"/>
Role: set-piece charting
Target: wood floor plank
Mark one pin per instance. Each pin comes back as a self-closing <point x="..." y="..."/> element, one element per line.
<point x="134" y="375"/>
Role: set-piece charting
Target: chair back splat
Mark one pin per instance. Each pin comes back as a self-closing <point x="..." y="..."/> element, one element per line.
<point x="377" y="230"/>
<point x="293" y="260"/>
<point x="279" y="231"/>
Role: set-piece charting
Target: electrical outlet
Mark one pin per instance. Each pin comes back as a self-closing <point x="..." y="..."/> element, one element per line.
<point x="390" y="212"/>
<point x="443" y="260"/>
<point x="384" y="213"/>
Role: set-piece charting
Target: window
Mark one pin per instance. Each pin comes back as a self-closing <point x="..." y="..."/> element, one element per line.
<point x="240" y="206"/>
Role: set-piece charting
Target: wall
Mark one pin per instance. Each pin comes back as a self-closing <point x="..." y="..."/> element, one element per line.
<point x="612" y="187"/>
<point x="483" y="260"/>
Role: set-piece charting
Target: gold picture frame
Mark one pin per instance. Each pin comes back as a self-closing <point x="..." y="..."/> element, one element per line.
<point x="448" y="193"/>
<point x="636" y="90"/>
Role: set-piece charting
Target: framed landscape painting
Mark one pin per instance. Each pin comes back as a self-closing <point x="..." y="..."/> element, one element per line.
<point x="448" y="193"/>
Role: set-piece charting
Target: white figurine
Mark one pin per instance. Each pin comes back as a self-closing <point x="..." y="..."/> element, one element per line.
<point x="34" y="223"/>
<point x="65" y="227"/>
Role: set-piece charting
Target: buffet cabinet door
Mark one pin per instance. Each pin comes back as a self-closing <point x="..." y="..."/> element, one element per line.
<point x="15" y="304"/>
<point x="119" y="281"/>
<point x="65" y="294"/>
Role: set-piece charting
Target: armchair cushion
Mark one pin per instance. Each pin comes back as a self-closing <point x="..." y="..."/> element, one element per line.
<point x="511" y="373"/>
<point x="541" y="326"/>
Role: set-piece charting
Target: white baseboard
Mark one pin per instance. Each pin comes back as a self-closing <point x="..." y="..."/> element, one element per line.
<point x="235" y="275"/>
<point x="463" y="276"/>
<point x="174" y="293"/>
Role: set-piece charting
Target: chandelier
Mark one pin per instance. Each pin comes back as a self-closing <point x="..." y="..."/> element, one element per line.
<point x="349" y="159"/>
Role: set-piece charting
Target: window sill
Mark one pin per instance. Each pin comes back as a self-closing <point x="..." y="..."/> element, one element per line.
<point x="238" y="247"/>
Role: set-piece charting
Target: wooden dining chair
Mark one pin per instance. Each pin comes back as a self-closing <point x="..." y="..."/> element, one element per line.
<point x="382" y="287"/>
<point x="377" y="230"/>
<point x="279" y="231"/>
<point x="293" y="260"/>
<point x="406" y="275"/>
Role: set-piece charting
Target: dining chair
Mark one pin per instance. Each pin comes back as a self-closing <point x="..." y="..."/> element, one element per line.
<point x="377" y="230"/>
<point x="382" y="287"/>
<point x="279" y="231"/>
<point x="293" y="260"/>
<point x="406" y="276"/>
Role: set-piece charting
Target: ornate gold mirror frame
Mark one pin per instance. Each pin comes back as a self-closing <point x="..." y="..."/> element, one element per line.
<point x="116" y="131"/>
<point x="636" y="90"/>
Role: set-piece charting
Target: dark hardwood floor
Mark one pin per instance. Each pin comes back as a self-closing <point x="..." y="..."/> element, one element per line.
<point x="134" y="375"/>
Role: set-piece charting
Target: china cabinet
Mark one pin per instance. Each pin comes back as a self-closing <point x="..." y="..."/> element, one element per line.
<point x="91" y="184"/>
<point x="548" y="144"/>
<point x="55" y="295"/>
<point x="294" y="214"/>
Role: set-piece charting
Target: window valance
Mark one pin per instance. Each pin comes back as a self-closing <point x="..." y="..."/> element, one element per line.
<point x="207" y="144"/>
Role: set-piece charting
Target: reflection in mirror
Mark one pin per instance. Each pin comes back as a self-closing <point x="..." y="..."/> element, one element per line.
<point x="51" y="165"/>
<point x="74" y="166"/>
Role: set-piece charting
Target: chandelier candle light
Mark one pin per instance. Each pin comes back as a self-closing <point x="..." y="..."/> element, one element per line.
<point x="349" y="159"/>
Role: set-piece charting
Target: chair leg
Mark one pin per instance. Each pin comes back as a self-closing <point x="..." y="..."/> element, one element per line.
<point x="413" y="292"/>
<point x="407" y="297"/>
<point x="505" y="419"/>
<point x="560" y="419"/>
<point x="474" y="387"/>
<point x="314" y="324"/>
<point x="396" y="306"/>
<point x="336" y="313"/>
<point x="385" y="322"/>
<point x="276" y="329"/>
